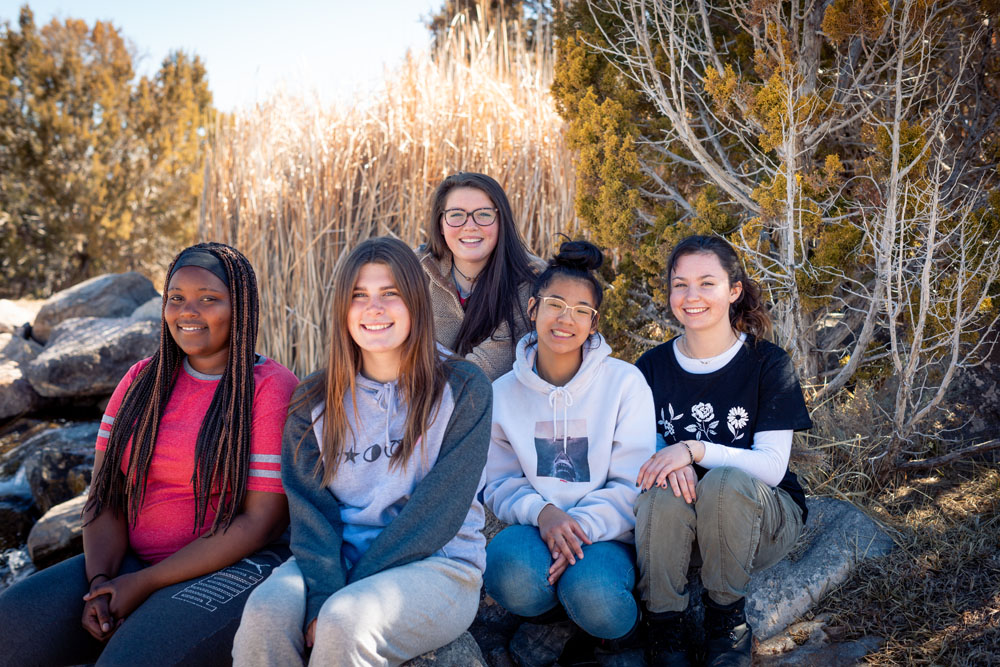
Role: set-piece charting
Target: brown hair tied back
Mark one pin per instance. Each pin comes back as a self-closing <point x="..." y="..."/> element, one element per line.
<point x="222" y="450"/>
<point x="748" y="314"/>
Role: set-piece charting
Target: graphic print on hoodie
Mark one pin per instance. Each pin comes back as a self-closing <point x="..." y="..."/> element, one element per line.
<point x="562" y="449"/>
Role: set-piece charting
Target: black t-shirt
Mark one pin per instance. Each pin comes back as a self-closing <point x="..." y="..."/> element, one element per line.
<point x="757" y="390"/>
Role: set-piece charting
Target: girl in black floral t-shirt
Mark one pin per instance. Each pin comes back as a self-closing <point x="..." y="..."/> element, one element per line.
<point x="727" y="402"/>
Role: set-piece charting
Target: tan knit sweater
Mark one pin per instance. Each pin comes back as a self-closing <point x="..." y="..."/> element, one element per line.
<point x="495" y="355"/>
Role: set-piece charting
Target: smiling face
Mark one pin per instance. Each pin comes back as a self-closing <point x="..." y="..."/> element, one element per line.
<point x="378" y="321"/>
<point x="700" y="294"/>
<point x="198" y="315"/>
<point x="470" y="244"/>
<point x="560" y="331"/>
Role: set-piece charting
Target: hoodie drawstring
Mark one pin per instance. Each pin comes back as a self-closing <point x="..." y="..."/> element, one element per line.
<point x="567" y="402"/>
<point x="384" y="398"/>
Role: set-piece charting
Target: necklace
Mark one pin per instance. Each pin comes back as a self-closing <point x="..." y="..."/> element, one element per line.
<point x="454" y="268"/>
<point x="687" y="352"/>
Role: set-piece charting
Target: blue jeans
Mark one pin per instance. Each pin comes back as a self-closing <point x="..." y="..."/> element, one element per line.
<point x="596" y="592"/>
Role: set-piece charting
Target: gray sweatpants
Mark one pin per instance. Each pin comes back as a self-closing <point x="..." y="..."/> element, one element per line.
<point x="384" y="619"/>
<point x="737" y="525"/>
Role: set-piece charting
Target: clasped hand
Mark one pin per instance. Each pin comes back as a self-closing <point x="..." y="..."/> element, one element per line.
<point x="672" y="465"/>
<point x="563" y="535"/>
<point x="110" y="601"/>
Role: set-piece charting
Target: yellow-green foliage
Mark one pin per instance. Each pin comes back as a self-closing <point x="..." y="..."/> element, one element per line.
<point x="99" y="171"/>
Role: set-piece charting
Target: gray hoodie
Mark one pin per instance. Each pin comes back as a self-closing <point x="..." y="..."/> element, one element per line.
<point x="370" y="518"/>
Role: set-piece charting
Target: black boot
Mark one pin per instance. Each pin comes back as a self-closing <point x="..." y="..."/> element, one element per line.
<point x="584" y="650"/>
<point x="666" y="639"/>
<point x="730" y="637"/>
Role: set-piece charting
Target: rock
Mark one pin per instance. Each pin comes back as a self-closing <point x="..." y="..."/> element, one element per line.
<point x="17" y="396"/>
<point x="16" y="516"/>
<point x="14" y="315"/>
<point x="837" y="537"/>
<point x="810" y="644"/>
<point x="151" y="310"/>
<point x="58" y="534"/>
<point x="110" y="295"/>
<point x="53" y="465"/>
<point x="15" y="565"/>
<point x="87" y="356"/>
<point x="463" y="652"/>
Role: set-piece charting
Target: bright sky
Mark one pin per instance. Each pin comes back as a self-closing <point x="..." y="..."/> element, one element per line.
<point x="334" y="48"/>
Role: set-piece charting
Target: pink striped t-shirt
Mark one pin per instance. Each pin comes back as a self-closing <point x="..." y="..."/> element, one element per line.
<point x="166" y="520"/>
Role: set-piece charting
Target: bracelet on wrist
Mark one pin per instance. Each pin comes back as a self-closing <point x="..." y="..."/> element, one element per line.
<point x="690" y="453"/>
<point x="90" y="582"/>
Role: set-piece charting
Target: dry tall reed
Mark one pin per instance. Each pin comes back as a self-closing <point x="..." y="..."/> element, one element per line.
<point x="296" y="185"/>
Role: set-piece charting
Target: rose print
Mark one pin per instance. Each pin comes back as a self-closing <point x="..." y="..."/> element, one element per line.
<point x="703" y="414"/>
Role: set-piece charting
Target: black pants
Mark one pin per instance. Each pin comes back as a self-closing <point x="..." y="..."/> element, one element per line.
<point x="192" y="622"/>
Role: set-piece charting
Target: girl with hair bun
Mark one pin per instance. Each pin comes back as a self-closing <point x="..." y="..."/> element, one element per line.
<point x="719" y="492"/>
<point x="186" y="503"/>
<point x="571" y="428"/>
<point x="480" y="271"/>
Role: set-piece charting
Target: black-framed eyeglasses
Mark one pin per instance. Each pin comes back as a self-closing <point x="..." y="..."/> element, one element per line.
<point x="557" y="307"/>
<point x="456" y="217"/>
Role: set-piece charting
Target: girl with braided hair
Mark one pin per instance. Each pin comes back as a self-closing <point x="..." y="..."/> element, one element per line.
<point x="186" y="501"/>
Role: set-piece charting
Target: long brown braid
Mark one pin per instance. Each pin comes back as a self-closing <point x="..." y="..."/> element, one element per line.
<point x="222" y="451"/>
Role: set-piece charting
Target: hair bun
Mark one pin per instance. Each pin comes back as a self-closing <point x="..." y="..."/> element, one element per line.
<point x="580" y="255"/>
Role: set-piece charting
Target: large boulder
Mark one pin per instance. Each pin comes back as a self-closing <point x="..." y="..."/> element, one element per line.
<point x="58" y="534"/>
<point x="110" y="295"/>
<point x="59" y="463"/>
<point x="17" y="396"/>
<point x="837" y="537"/>
<point x="151" y="310"/>
<point x="87" y="356"/>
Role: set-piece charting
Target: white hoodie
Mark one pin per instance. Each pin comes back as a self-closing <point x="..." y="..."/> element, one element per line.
<point x="578" y="447"/>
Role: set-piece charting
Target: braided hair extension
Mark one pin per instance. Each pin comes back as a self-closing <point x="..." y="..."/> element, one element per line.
<point x="222" y="451"/>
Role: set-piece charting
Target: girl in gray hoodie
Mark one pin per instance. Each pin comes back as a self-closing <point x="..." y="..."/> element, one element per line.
<point x="381" y="460"/>
<point x="571" y="428"/>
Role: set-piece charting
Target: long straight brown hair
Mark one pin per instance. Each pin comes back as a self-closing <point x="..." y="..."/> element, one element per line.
<point x="222" y="450"/>
<point x="422" y="372"/>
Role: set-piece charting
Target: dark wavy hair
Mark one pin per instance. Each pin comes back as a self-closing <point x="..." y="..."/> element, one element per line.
<point x="222" y="450"/>
<point x="494" y="297"/>
<point x="748" y="314"/>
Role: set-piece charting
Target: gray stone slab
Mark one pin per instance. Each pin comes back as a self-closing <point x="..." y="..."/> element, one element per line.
<point x="836" y="538"/>
<point x="109" y="295"/>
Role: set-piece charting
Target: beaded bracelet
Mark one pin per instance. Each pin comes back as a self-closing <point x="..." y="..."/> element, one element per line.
<point x="690" y="453"/>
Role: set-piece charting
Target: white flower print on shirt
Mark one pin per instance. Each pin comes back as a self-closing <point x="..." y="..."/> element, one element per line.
<point x="704" y="416"/>
<point x="668" y="428"/>
<point x="736" y="420"/>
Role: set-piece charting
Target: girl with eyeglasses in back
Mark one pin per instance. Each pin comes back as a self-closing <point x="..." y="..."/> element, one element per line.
<point x="480" y="271"/>
<point x="571" y="428"/>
